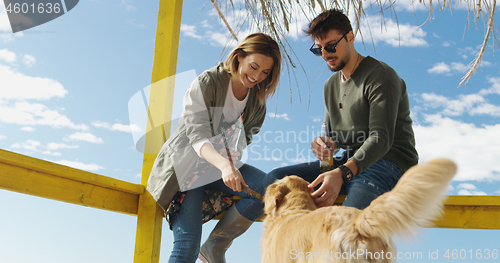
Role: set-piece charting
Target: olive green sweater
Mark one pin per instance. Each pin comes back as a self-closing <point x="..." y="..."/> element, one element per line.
<point x="369" y="115"/>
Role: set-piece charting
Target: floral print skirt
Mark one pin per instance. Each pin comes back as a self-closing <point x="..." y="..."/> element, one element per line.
<point x="214" y="202"/>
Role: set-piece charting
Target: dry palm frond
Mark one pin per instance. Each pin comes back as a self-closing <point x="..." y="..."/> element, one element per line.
<point x="275" y="16"/>
<point x="474" y="65"/>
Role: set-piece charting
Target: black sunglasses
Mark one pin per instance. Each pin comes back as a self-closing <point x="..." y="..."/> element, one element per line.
<point x="330" y="48"/>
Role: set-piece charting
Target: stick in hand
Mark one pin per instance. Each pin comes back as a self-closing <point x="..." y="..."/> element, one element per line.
<point x="245" y="189"/>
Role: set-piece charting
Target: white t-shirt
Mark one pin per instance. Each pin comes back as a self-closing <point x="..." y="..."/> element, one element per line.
<point x="232" y="110"/>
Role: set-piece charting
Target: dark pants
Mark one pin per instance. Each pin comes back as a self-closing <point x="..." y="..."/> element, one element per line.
<point x="361" y="190"/>
<point x="187" y="224"/>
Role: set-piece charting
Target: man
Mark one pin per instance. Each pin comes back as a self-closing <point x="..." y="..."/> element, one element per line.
<point x="367" y="108"/>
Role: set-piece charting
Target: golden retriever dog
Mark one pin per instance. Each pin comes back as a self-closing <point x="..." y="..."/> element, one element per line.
<point x="295" y="230"/>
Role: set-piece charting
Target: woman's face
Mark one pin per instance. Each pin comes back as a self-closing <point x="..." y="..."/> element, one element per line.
<point x="253" y="69"/>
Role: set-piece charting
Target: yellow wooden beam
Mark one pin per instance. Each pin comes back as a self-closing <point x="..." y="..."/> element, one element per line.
<point x="150" y="215"/>
<point x="471" y="212"/>
<point x="467" y="212"/>
<point x="28" y="175"/>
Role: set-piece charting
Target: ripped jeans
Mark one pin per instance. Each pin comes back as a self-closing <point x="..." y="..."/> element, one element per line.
<point x="360" y="191"/>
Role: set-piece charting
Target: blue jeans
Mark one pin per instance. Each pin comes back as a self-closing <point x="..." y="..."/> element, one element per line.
<point x="361" y="190"/>
<point x="187" y="224"/>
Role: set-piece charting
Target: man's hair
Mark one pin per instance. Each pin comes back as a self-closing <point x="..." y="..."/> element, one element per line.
<point x="326" y="21"/>
<point x="262" y="44"/>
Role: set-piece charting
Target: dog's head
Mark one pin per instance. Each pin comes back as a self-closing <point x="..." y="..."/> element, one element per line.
<point x="289" y="193"/>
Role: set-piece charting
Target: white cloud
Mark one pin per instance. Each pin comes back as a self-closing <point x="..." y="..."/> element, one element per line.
<point x="36" y="146"/>
<point x="17" y="89"/>
<point x="220" y="39"/>
<point x="205" y="24"/>
<point x="24" y="113"/>
<point x="52" y="153"/>
<point x="3" y="137"/>
<point x="117" y="126"/>
<point x="83" y="136"/>
<point x="15" y="85"/>
<point x="466" y="52"/>
<point x="128" y="5"/>
<point x="29" y="60"/>
<point x="459" y="67"/>
<point x="469" y="189"/>
<point x="283" y="116"/>
<point x="409" y="5"/>
<point x="439" y="68"/>
<point x="453" y="67"/>
<point x="78" y="165"/>
<point x="392" y="33"/>
<point x="57" y="146"/>
<point x="28" y="129"/>
<point x="469" y="192"/>
<point x="100" y="124"/>
<point x="466" y="186"/>
<point x="190" y="31"/>
<point x="7" y="56"/>
<point x="472" y="104"/>
<point x="464" y="143"/>
<point x="125" y="128"/>
<point x="495" y="87"/>
<point x="31" y="145"/>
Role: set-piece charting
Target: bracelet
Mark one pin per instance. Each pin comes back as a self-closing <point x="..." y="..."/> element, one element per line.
<point x="346" y="173"/>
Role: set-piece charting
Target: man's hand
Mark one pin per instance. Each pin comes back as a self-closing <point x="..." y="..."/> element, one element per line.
<point x="327" y="193"/>
<point x="320" y="147"/>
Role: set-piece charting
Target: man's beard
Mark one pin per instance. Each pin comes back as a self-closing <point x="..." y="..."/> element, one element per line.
<point x="339" y="67"/>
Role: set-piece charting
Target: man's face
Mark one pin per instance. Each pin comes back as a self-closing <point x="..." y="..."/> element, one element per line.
<point x="335" y="61"/>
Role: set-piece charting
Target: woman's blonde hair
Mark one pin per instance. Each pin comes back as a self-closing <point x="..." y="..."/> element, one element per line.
<point x="262" y="44"/>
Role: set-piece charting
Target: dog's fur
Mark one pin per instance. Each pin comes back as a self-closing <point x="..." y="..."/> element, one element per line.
<point x="296" y="231"/>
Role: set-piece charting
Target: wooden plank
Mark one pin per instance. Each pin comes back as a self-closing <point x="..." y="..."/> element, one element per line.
<point x="34" y="164"/>
<point x="150" y="215"/>
<point x="471" y="212"/>
<point x="472" y="200"/>
<point x="47" y="185"/>
<point x="461" y="212"/>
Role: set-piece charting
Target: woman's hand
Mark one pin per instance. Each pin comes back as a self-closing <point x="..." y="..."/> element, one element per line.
<point x="232" y="177"/>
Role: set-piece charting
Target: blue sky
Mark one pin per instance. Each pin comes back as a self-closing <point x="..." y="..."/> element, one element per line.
<point x="65" y="88"/>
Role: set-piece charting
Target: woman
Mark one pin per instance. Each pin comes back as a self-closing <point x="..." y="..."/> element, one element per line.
<point x="222" y="104"/>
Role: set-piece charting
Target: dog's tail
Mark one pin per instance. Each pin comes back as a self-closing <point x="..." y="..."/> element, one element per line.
<point x="414" y="202"/>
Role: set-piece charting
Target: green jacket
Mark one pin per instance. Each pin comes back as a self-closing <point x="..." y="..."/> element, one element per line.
<point x="202" y="110"/>
<point x="369" y="115"/>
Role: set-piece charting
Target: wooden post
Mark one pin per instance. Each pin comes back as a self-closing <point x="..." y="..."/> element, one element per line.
<point x="150" y="215"/>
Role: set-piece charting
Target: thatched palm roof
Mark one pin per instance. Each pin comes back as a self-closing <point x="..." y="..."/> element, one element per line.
<point x="275" y="16"/>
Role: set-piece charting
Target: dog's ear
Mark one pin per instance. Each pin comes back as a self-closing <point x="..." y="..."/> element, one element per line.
<point x="274" y="197"/>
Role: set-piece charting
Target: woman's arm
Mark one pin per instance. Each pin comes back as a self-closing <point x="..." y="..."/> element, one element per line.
<point x="230" y="175"/>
